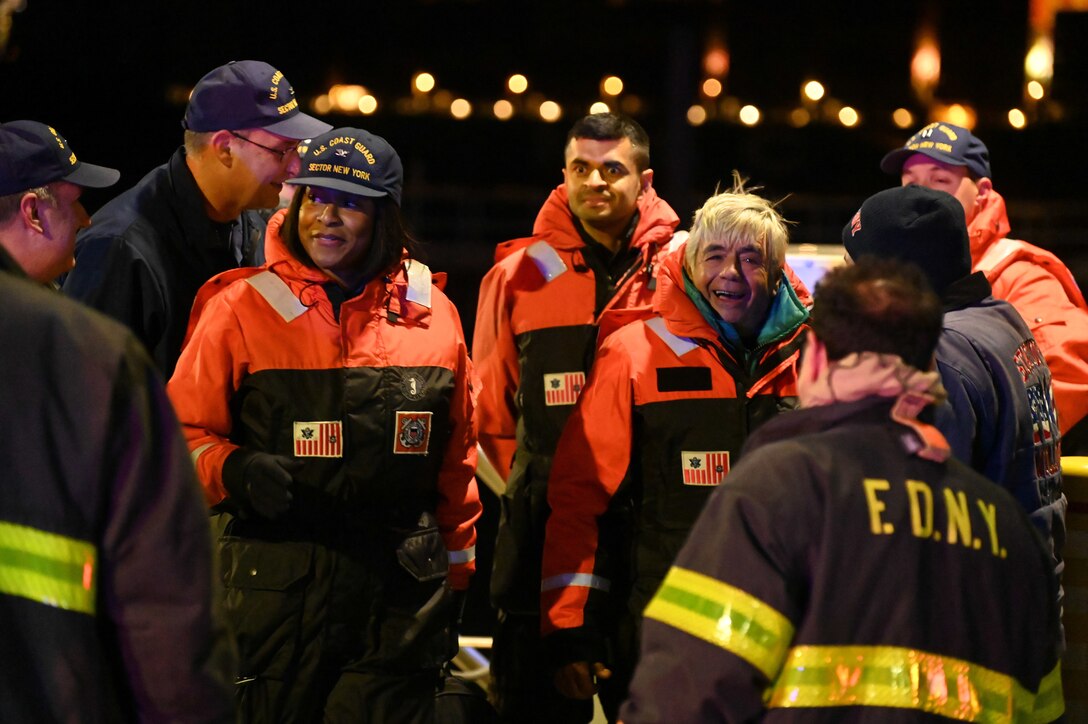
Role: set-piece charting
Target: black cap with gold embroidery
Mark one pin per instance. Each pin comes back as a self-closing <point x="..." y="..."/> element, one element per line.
<point x="351" y="160"/>
<point x="33" y="154"/>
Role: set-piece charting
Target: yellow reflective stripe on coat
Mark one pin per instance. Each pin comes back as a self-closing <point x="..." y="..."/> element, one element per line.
<point x="48" y="568"/>
<point x="724" y="616"/>
<point x="820" y="676"/>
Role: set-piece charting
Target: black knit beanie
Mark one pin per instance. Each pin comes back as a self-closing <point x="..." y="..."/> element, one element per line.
<point x="914" y="224"/>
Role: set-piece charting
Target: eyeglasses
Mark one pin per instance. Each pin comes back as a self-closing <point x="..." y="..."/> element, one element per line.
<point x="280" y="154"/>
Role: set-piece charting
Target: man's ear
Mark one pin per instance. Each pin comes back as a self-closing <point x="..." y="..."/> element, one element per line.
<point x="219" y="145"/>
<point x="985" y="186"/>
<point x="30" y="212"/>
<point x="646" y="180"/>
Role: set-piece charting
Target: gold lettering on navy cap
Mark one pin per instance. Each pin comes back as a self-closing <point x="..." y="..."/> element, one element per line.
<point x="366" y="152"/>
<point x="274" y="89"/>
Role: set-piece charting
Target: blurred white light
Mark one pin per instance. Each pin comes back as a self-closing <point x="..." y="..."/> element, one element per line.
<point x="902" y="118"/>
<point x="848" y="117"/>
<point x="460" y="108"/>
<point x="423" y="82"/>
<point x="517" y="83"/>
<point x="612" y="85"/>
<point x="550" y="111"/>
<point x="814" y="90"/>
<point x="749" y="115"/>
<point x="368" y="104"/>
<point x="1017" y="119"/>
<point x="599" y="107"/>
<point x="1039" y="62"/>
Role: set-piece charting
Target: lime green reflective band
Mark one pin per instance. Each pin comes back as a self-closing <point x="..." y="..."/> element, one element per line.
<point x="724" y="616"/>
<point x="817" y="676"/>
<point x="47" y="568"/>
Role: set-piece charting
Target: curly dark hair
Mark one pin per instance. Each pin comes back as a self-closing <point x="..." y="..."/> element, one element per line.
<point x="878" y="305"/>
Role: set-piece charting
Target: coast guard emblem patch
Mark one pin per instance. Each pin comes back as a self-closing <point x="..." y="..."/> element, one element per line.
<point x="704" y="467"/>
<point x="413" y="433"/>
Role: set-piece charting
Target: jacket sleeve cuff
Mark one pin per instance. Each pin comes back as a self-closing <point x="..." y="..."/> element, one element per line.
<point x="234" y="468"/>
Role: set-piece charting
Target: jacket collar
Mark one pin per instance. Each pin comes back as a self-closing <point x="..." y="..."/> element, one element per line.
<point x="192" y="215"/>
<point x="395" y="284"/>
<point x="966" y="292"/>
<point x="557" y="224"/>
<point x="990" y="224"/>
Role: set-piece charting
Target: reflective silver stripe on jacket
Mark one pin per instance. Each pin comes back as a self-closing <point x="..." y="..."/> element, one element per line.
<point x="419" y="283"/>
<point x="679" y="345"/>
<point x="586" y="580"/>
<point x="278" y="295"/>
<point x="546" y="259"/>
<point x="468" y="554"/>
<point x="195" y="454"/>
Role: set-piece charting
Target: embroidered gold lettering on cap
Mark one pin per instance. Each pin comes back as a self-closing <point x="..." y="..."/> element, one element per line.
<point x="563" y="388"/>
<point x="704" y="467"/>
<point x="274" y="90"/>
<point x="413" y="433"/>
<point x="322" y="439"/>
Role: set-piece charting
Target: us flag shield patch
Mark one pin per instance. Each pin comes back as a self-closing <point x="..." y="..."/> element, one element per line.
<point x="413" y="433"/>
<point x="704" y="467"/>
<point x="563" y="388"/>
<point x="319" y="439"/>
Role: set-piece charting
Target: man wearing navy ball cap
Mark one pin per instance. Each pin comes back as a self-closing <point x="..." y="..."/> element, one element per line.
<point x="946" y="157"/>
<point x="152" y="247"/>
<point x="41" y="180"/>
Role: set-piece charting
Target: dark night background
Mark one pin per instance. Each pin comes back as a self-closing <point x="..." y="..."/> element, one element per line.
<point x="108" y="76"/>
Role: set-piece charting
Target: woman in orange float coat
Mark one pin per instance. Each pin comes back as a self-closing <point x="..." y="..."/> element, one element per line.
<point x="668" y="405"/>
<point x="327" y="402"/>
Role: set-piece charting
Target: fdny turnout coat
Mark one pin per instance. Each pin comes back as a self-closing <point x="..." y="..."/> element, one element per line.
<point x="661" y="422"/>
<point x="536" y="331"/>
<point x="1044" y="292"/>
<point x="839" y="577"/>
<point x="108" y="603"/>
<point x="377" y="403"/>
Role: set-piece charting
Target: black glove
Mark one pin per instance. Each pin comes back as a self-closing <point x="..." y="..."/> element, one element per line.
<point x="265" y="485"/>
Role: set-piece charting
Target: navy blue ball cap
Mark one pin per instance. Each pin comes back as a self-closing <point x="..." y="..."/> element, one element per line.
<point x="248" y="94"/>
<point x="33" y="154"/>
<point x="915" y="224"/>
<point x="945" y="142"/>
<point x="351" y="160"/>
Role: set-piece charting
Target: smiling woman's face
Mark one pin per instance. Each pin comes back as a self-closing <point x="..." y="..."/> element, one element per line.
<point x="336" y="229"/>
<point x="735" y="280"/>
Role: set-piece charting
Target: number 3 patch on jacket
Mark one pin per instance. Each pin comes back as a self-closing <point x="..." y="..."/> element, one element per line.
<point x="413" y="433"/>
<point x="703" y="467"/>
<point x="319" y="439"/>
